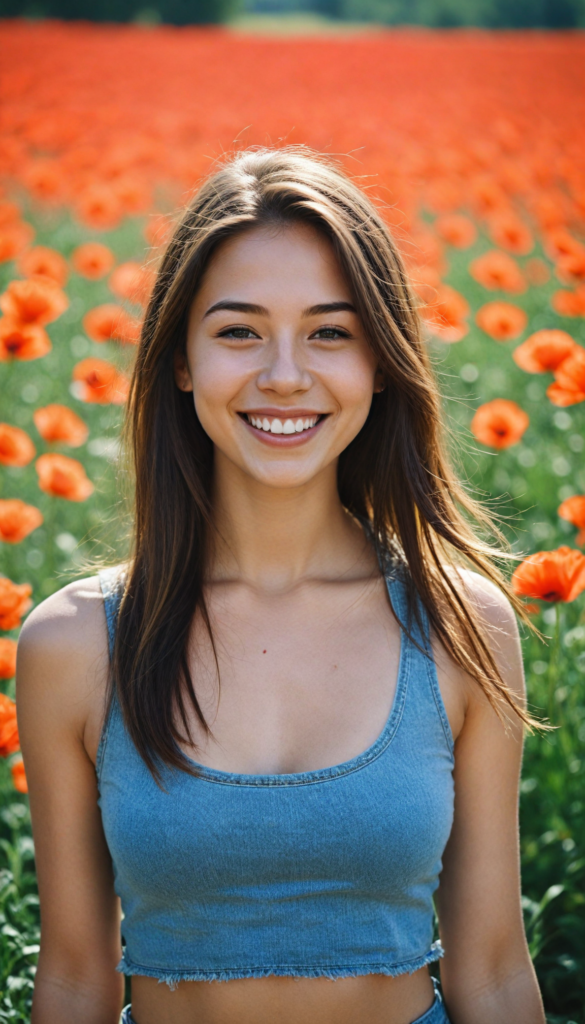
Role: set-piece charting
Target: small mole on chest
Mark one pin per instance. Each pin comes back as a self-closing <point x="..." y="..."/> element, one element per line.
<point x="263" y="652"/>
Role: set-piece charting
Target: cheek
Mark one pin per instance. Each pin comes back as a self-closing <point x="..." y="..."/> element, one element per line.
<point x="217" y="380"/>
<point x="351" y="382"/>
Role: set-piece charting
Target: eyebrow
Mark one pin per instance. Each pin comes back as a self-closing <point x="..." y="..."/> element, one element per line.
<point x="232" y="306"/>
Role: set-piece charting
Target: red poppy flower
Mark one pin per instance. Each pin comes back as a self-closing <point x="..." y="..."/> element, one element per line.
<point x="92" y="260"/>
<point x="500" y="423"/>
<point x="456" y="230"/>
<point x="63" y="477"/>
<point x="58" y="423"/>
<point x="569" y="386"/>
<point x="445" y="314"/>
<point x="17" y="520"/>
<point x="7" y="658"/>
<point x="511" y="233"/>
<point x="16" y="447"/>
<point x="571" y="268"/>
<point x="99" y="207"/>
<point x="44" y="262"/>
<point x="22" y="341"/>
<point x="111" y="322"/>
<point x="544" y="351"/>
<point x="14" y="239"/>
<point x="569" y="303"/>
<point x="34" y="301"/>
<point x="551" y="575"/>
<point x="19" y="776"/>
<point x="501" y="320"/>
<point x="133" y="282"/>
<point x="100" y="381"/>
<point x="498" y="271"/>
<point x="536" y="272"/>
<point x="14" y="602"/>
<point x="9" y="741"/>
<point x="573" y="509"/>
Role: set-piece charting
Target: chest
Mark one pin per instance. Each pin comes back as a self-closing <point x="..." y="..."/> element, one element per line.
<point x="302" y="681"/>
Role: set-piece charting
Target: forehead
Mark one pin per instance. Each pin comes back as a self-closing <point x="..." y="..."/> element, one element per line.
<point x="289" y="259"/>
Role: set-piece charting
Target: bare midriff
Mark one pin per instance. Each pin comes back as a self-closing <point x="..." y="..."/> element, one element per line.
<point x="374" y="998"/>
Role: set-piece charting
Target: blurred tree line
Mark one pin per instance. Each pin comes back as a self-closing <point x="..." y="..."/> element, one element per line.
<point x="436" y="13"/>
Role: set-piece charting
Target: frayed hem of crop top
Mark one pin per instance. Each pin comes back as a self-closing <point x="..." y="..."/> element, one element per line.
<point x="333" y="971"/>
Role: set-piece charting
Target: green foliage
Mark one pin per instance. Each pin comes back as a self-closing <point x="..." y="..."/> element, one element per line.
<point x="442" y="13"/>
<point x="175" y="12"/>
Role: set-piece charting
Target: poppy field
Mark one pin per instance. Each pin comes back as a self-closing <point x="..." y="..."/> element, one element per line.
<point x="473" y="144"/>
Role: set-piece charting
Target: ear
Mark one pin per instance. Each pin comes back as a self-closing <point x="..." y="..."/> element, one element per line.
<point x="379" y="382"/>
<point x="182" y="374"/>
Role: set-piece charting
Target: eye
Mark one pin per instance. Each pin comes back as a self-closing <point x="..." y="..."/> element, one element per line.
<point x="330" y="334"/>
<point x="238" y="333"/>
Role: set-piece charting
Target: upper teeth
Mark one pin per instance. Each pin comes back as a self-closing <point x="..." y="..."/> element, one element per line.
<point x="276" y="426"/>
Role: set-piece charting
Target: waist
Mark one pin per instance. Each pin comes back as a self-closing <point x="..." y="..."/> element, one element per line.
<point x="408" y="999"/>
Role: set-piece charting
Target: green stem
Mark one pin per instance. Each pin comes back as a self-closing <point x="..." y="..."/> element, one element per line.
<point x="554" y="663"/>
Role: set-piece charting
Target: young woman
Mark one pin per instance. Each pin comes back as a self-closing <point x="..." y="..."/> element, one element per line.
<point x="314" y="710"/>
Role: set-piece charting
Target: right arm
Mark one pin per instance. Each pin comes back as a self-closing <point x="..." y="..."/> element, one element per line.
<point x="62" y="672"/>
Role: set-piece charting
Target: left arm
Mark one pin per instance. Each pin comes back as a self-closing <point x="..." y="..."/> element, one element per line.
<point x="487" y="975"/>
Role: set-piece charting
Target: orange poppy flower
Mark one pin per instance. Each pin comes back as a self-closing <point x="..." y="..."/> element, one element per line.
<point x="9" y="212"/>
<point x="7" y="658"/>
<point x="551" y="575"/>
<point x="96" y="380"/>
<point x="59" y="423"/>
<point x="501" y="320"/>
<point x="561" y="242"/>
<point x="569" y="303"/>
<point x="63" y="477"/>
<point x="17" y="520"/>
<point x="499" y="424"/>
<point x="16" y="447"/>
<point x="571" y="268"/>
<point x="497" y="270"/>
<point x="14" y="239"/>
<point x="22" y="341"/>
<point x="573" y="509"/>
<point x="569" y="386"/>
<point x="544" y="351"/>
<point x="158" y="230"/>
<point x="110" y="322"/>
<point x="456" y="230"/>
<point x="45" y="262"/>
<point x="92" y="260"/>
<point x="34" y="301"/>
<point x="445" y="315"/>
<point x="9" y="741"/>
<point x="99" y="207"/>
<point x="133" y="282"/>
<point x="14" y="602"/>
<point x="536" y="271"/>
<point x="510" y="233"/>
<point x="19" y="776"/>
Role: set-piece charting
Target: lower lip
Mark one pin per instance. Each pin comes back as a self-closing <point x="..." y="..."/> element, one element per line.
<point x="283" y="440"/>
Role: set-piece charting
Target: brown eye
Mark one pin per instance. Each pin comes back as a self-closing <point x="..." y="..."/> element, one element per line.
<point x="239" y="333"/>
<point x="330" y="334"/>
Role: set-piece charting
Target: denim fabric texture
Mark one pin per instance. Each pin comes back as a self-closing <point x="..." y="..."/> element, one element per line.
<point x="322" y="873"/>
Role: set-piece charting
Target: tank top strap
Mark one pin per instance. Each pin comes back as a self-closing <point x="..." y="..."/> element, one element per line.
<point x="416" y="635"/>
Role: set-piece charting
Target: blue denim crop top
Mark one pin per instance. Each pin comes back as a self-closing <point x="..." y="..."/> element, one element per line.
<point x="321" y="873"/>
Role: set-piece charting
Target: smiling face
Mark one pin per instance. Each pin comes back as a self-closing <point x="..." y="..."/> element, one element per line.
<point x="281" y="372"/>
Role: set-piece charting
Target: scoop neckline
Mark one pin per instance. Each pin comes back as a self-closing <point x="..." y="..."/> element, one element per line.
<point x="335" y="771"/>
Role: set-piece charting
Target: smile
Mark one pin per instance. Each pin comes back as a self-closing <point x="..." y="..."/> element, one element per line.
<point x="274" y="425"/>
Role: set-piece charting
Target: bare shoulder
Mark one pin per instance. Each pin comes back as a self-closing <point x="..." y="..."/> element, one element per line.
<point x="498" y="619"/>
<point x="63" y="652"/>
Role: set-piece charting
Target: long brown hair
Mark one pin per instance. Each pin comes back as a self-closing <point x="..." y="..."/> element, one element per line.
<point x="394" y="474"/>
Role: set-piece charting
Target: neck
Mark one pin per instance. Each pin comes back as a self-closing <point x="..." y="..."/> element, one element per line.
<point x="275" y="538"/>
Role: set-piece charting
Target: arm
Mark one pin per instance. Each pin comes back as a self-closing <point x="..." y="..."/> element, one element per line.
<point x="487" y="974"/>
<point x="61" y="680"/>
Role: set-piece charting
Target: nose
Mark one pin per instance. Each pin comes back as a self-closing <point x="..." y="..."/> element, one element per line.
<point x="285" y="371"/>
